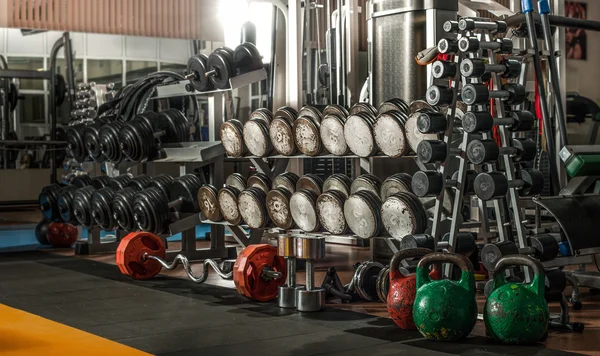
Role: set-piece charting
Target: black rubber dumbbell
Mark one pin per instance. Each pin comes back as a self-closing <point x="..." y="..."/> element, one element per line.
<point x="483" y="121"/>
<point x="470" y="25"/>
<point x="427" y="183"/>
<point x="494" y="185"/>
<point x="450" y="26"/>
<point x="487" y="151"/>
<point x="431" y="151"/>
<point x="473" y="44"/>
<point x="443" y="69"/>
<point x="476" y="68"/>
<point x="469" y="182"/>
<point x="221" y="67"/>
<point x="439" y="95"/>
<point x="197" y="67"/>
<point x="447" y="46"/>
<point x="431" y="122"/>
<point x="247" y="58"/>
<point x="511" y="93"/>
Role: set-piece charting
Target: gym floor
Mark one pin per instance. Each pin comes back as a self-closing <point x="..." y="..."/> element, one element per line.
<point x="56" y="303"/>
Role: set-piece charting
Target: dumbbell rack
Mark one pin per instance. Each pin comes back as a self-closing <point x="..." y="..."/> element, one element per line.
<point x="200" y="154"/>
<point x="502" y="221"/>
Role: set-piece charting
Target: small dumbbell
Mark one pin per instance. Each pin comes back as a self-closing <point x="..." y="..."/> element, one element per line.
<point x="439" y="95"/>
<point x="544" y="247"/>
<point x="494" y="185"/>
<point x="483" y="121"/>
<point x="427" y="183"/>
<point x="286" y="296"/>
<point x="450" y="26"/>
<point x="487" y="151"/>
<point x="447" y="46"/>
<point x="511" y="93"/>
<point x="476" y="68"/>
<point x="470" y="25"/>
<point x="473" y="44"/>
<point x="431" y="151"/>
<point x="443" y="69"/>
<point x="431" y="122"/>
<point x="310" y="249"/>
<point x="469" y="182"/>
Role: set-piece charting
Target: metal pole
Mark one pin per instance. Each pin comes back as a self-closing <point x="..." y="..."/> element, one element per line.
<point x="53" y="109"/>
<point x="339" y="55"/>
<point x="308" y="48"/>
<point x="527" y="6"/>
<point x="544" y="9"/>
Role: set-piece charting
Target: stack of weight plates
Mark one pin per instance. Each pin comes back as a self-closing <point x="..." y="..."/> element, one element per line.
<point x="310" y="182"/>
<point x="397" y="183"/>
<point x="256" y="133"/>
<point x="330" y="209"/>
<point x="252" y="207"/>
<point x="362" y="213"/>
<point x="261" y="181"/>
<point x="228" y="204"/>
<point x="281" y="131"/>
<point x="236" y="180"/>
<point x="278" y="207"/>
<point x="332" y="130"/>
<point x="306" y="131"/>
<point x="339" y="182"/>
<point x="403" y="214"/>
<point x="390" y="136"/>
<point x="395" y="104"/>
<point x="232" y="138"/>
<point x="304" y="210"/>
<point x="368" y="182"/>
<point x="358" y="133"/>
<point x="209" y="202"/>
<point x="287" y="181"/>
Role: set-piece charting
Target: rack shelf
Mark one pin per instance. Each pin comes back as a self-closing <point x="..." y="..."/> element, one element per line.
<point x="179" y="88"/>
<point x="320" y="156"/>
<point x="192" y="151"/>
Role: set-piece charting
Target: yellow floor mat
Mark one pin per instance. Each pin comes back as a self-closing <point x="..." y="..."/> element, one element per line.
<point x="22" y="333"/>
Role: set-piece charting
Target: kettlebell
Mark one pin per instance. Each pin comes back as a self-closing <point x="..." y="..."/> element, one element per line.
<point x="401" y="295"/>
<point x="516" y="313"/>
<point x="445" y="310"/>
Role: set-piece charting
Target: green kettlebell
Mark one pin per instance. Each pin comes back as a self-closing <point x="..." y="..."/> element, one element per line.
<point x="445" y="310"/>
<point x="517" y="313"/>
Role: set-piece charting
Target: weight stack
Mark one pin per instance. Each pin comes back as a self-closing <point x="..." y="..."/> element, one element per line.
<point x="398" y="30"/>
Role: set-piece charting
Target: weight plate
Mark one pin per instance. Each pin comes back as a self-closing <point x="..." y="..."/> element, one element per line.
<point x="197" y="65"/>
<point x="402" y="217"/>
<point x="278" y="207"/>
<point x="366" y="182"/>
<point x="362" y="214"/>
<point x="303" y="209"/>
<point x="363" y="108"/>
<point x="247" y="58"/>
<point x="122" y="207"/>
<point x="256" y="138"/>
<point x="282" y="136"/>
<point x="248" y="272"/>
<point x="337" y="110"/>
<point x="75" y="145"/>
<point x="311" y="112"/>
<point x="261" y="181"/>
<point x="186" y="188"/>
<point x="358" y="133"/>
<point x="286" y="181"/>
<point x="383" y="284"/>
<point x="330" y="209"/>
<point x="65" y="201"/>
<point x="233" y="138"/>
<point x="393" y="105"/>
<point x="332" y="135"/>
<point x="209" y="203"/>
<point x="287" y="113"/>
<point x="131" y="253"/>
<point x="310" y="182"/>
<point x="339" y="182"/>
<point x="307" y="136"/>
<point x="251" y="205"/>
<point x="390" y="136"/>
<point x="365" y="280"/>
<point x="221" y="63"/>
<point x="236" y="180"/>
<point x="262" y="114"/>
<point x="397" y="183"/>
<point x="413" y="135"/>
<point x="48" y="202"/>
<point x="228" y="204"/>
<point x="418" y="106"/>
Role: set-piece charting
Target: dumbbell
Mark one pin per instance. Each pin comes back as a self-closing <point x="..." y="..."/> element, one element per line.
<point x="224" y="63"/>
<point x="102" y="200"/>
<point x="431" y="151"/>
<point x="430" y="183"/>
<point x="109" y="141"/>
<point x="543" y="247"/>
<point x="473" y="94"/>
<point x="67" y="195"/>
<point x="473" y="44"/>
<point x="122" y="203"/>
<point x="447" y="46"/>
<point x="286" y="296"/>
<point x="138" y="138"/>
<point x="310" y="249"/>
<point x="152" y="206"/>
<point x="483" y="121"/>
<point x="487" y="151"/>
<point x="465" y="242"/>
<point x="364" y="281"/>
<point x="494" y="185"/>
<point x="468" y="24"/>
<point x="450" y="26"/>
<point x="197" y="67"/>
<point x="476" y="68"/>
<point x="443" y="69"/>
<point x="439" y="95"/>
<point x="431" y="122"/>
<point x="91" y="140"/>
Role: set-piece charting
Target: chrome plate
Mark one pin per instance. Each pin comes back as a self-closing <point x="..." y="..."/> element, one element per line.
<point x="282" y="136"/>
<point x="413" y="135"/>
<point x="358" y="136"/>
<point x="209" y="204"/>
<point x="398" y="218"/>
<point x="360" y="217"/>
<point x="389" y="136"/>
<point x="229" y="207"/>
<point x="236" y="180"/>
<point x="256" y="139"/>
<point x="282" y="182"/>
<point x="331" y="214"/>
<point x="278" y="207"/>
<point x="251" y="210"/>
<point x="336" y="184"/>
<point x="232" y="140"/>
<point x="258" y="182"/>
<point x="304" y="212"/>
<point x="363" y="184"/>
<point x="308" y="183"/>
<point x="332" y="135"/>
<point x="307" y="136"/>
<point x="390" y="187"/>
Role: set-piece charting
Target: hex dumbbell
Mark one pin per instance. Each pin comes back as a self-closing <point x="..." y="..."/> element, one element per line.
<point x="310" y="249"/>
<point x="511" y="93"/>
<point x="487" y="151"/>
<point x="443" y="69"/>
<point x="544" y="247"/>
<point x="476" y="68"/>
<point x="473" y="44"/>
<point x="483" y="121"/>
<point x="468" y="24"/>
<point x="286" y="296"/>
<point x="494" y="185"/>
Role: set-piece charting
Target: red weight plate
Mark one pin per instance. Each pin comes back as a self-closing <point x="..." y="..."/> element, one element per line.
<point x="61" y="235"/>
<point x="248" y="269"/>
<point x="130" y="255"/>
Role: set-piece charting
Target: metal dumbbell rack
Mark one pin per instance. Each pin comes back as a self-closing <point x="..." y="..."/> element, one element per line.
<point x="502" y="221"/>
<point x="195" y="154"/>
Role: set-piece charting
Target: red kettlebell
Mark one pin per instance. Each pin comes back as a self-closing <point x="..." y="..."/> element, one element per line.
<point x="403" y="289"/>
<point x="61" y="235"/>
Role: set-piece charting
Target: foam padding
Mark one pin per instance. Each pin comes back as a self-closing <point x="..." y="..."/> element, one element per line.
<point x="22" y="333"/>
